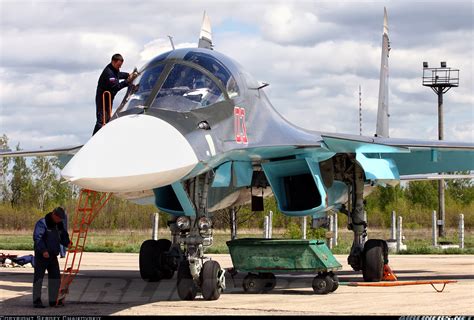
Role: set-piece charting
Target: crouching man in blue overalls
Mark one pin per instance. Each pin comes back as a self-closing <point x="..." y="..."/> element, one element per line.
<point x="48" y="235"/>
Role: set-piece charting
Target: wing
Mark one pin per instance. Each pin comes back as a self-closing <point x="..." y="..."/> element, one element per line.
<point x="41" y="152"/>
<point x="425" y="177"/>
<point x="406" y="156"/>
<point x="64" y="154"/>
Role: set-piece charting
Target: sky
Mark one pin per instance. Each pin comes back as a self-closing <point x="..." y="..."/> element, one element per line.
<point x="314" y="54"/>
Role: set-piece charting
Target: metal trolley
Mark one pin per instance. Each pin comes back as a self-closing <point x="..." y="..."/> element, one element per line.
<point x="262" y="258"/>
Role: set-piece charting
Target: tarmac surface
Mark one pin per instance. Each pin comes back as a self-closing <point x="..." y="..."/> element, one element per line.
<point x="110" y="284"/>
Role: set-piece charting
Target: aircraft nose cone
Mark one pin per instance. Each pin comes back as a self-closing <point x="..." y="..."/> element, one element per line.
<point x="131" y="153"/>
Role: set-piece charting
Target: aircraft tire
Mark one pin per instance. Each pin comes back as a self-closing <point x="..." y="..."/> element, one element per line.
<point x="164" y="244"/>
<point x="209" y="280"/>
<point x="149" y="259"/>
<point x="166" y="269"/>
<point x="323" y="284"/>
<point x="186" y="286"/>
<point x="373" y="260"/>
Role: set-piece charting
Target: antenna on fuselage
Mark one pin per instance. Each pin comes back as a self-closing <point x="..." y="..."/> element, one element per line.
<point x="171" y="41"/>
<point x="205" y="37"/>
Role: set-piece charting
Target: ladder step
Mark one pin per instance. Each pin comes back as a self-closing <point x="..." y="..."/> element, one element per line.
<point x="78" y="231"/>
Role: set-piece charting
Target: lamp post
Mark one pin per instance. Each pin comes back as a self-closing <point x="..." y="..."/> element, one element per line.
<point x="440" y="80"/>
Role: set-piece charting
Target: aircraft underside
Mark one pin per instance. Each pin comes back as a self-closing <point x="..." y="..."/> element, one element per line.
<point x="299" y="191"/>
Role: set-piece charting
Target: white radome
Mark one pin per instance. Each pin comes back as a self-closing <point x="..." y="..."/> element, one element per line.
<point x="131" y="153"/>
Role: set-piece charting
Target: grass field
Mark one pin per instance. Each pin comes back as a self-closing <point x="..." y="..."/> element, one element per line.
<point x="418" y="241"/>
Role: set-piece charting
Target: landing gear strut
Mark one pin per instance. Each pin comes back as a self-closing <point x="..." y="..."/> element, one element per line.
<point x="197" y="273"/>
<point x="356" y="219"/>
<point x="370" y="256"/>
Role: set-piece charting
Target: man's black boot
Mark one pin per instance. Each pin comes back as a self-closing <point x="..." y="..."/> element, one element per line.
<point x="38" y="304"/>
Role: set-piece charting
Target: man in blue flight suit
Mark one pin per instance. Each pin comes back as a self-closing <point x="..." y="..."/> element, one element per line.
<point x="109" y="81"/>
<point x="48" y="235"/>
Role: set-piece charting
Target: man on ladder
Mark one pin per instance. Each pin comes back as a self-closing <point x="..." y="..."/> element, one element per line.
<point x="107" y="87"/>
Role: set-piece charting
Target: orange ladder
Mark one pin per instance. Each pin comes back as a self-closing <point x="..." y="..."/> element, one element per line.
<point x="88" y="206"/>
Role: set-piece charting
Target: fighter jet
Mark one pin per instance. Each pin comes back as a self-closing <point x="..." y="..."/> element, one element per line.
<point x="196" y="133"/>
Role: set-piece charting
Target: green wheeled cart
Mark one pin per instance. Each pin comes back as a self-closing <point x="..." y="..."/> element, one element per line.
<point x="262" y="258"/>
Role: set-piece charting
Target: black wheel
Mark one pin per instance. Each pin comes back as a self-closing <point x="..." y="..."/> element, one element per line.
<point x="335" y="281"/>
<point x="164" y="244"/>
<point x="149" y="261"/>
<point x="167" y="270"/>
<point x="252" y="283"/>
<point x="268" y="281"/>
<point x="322" y="284"/>
<point x="373" y="260"/>
<point x="187" y="289"/>
<point x="210" y="287"/>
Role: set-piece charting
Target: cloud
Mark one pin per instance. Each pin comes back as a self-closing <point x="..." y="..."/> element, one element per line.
<point x="161" y="45"/>
<point x="314" y="54"/>
<point x="294" y="24"/>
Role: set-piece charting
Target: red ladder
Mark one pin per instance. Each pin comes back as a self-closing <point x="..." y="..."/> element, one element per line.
<point x="88" y="206"/>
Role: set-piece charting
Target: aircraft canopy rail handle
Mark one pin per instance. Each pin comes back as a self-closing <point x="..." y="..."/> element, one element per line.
<point x="103" y="106"/>
<point x="88" y="206"/>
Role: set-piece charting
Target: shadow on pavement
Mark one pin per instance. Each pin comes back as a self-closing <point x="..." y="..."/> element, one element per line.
<point x="105" y="292"/>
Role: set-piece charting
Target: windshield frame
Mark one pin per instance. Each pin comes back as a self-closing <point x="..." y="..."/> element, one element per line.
<point x="169" y="65"/>
<point x="164" y="73"/>
<point x="167" y="70"/>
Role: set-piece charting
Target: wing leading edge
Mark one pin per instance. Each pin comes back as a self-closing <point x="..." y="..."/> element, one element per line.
<point x="41" y="152"/>
<point x="64" y="154"/>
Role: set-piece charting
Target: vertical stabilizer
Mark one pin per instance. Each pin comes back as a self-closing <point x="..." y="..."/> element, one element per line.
<point x="382" y="113"/>
<point x="205" y="37"/>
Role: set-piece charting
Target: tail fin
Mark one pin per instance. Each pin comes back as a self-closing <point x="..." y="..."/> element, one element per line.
<point x="205" y="37"/>
<point x="382" y="113"/>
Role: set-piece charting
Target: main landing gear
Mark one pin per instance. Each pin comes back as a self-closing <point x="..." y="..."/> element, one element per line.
<point x="371" y="256"/>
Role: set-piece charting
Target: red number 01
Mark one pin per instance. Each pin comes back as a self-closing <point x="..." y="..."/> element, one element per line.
<point x="240" y="130"/>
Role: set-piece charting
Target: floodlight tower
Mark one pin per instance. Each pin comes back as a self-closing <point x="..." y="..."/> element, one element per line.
<point x="440" y="80"/>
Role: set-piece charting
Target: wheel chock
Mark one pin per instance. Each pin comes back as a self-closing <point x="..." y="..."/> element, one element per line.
<point x="388" y="274"/>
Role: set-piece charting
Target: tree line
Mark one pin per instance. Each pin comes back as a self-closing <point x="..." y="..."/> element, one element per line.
<point x="32" y="187"/>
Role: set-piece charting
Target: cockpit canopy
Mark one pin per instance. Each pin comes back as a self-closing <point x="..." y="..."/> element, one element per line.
<point x="196" y="80"/>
